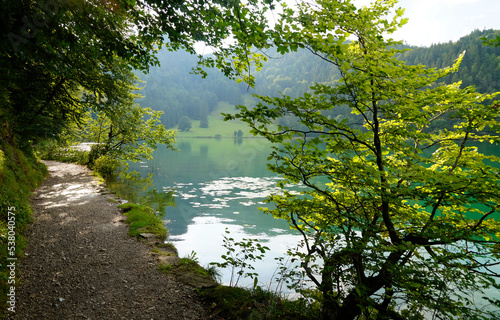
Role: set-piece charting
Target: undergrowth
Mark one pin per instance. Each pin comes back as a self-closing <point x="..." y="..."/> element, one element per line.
<point x="244" y="304"/>
<point x="20" y="174"/>
<point x="190" y="264"/>
<point x="57" y="151"/>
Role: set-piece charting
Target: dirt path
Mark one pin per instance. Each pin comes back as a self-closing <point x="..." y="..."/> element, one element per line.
<point x="81" y="264"/>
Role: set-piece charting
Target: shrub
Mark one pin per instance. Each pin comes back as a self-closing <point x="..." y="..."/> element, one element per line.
<point x="20" y="173"/>
<point x="106" y="166"/>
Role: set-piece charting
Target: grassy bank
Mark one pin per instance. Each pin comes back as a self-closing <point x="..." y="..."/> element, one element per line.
<point x="245" y="304"/>
<point x="142" y="219"/>
<point x="20" y="174"/>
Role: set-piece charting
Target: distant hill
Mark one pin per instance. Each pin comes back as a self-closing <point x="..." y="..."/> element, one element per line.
<point x="292" y="74"/>
<point x="480" y="67"/>
<point x="173" y="89"/>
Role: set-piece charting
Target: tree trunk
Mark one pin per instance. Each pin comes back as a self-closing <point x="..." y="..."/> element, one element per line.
<point x="330" y="305"/>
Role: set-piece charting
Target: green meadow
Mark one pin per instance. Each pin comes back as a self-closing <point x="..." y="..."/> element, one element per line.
<point x="216" y="123"/>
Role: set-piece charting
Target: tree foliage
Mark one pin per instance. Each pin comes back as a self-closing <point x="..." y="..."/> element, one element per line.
<point x="490" y="41"/>
<point x="185" y="124"/>
<point x="400" y="220"/>
<point x="128" y="132"/>
<point x="62" y="58"/>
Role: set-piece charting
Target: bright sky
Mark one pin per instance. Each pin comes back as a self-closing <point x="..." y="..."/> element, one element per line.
<point x="438" y="21"/>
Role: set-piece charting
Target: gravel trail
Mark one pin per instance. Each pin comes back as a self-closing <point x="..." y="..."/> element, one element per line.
<point x="81" y="264"/>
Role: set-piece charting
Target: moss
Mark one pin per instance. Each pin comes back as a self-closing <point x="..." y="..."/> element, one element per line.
<point x="142" y="219"/>
<point x="165" y="267"/>
<point x="187" y="265"/>
<point x="170" y="252"/>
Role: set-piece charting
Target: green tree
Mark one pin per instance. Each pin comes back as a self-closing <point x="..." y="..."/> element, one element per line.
<point x="204" y="123"/>
<point x="495" y="42"/>
<point x="184" y="124"/>
<point x="56" y="55"/>
<point x="126" y="132"/>
<point x="59" y="57"/>
<point x="204" y="115"/>
<point x="399" y="220"/>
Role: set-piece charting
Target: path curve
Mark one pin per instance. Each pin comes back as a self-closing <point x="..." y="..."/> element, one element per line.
<point x="81" y="264"/>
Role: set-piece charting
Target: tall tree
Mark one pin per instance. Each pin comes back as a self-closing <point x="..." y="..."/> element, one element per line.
<point x="399" y="220"/>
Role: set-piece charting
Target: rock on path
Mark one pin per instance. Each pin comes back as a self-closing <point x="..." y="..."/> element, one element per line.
<point x="81" y="264"/>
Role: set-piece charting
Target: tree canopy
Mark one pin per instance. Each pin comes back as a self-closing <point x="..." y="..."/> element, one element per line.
<point x="62" y="58"/>
<point x="400" y="219"/>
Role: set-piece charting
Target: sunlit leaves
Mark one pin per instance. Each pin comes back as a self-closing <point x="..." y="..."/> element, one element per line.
<point x="395" y="202"/>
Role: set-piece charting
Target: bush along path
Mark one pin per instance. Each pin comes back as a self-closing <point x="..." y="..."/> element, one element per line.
<point x="80" y="262"/>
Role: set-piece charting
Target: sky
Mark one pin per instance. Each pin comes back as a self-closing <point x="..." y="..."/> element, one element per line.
<point x="438" y="21"/>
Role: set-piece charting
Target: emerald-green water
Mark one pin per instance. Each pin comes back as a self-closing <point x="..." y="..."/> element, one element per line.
<point x="219" y="184"/>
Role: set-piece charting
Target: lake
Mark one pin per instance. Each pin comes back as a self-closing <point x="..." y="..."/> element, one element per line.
<point x="220" y="184"/>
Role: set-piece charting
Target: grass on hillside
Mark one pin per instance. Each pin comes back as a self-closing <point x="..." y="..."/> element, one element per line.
<point x="216" y="124"/>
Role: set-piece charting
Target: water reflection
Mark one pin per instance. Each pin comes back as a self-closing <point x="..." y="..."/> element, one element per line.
<point x="208" y="186"/>
<point x="206" y="234"/>
<point x="134" y="187"/>
<point x="203" y="174"/>
<point x="212" y="185"/>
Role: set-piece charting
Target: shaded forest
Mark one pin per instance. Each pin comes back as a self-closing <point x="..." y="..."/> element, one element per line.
<point x="173" y="89"/>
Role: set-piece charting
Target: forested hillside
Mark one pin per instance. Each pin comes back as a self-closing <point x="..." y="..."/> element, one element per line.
<point x="480" y="66"/>
<point x="292" y="74"/>
<point x="175" y="90"/>
<point x="171" y="88"/>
